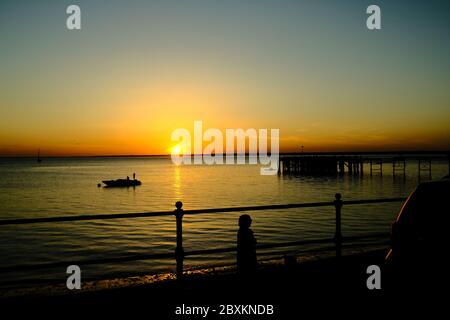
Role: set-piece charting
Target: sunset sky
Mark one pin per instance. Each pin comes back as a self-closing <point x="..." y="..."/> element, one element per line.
<point x="137" y="70"/>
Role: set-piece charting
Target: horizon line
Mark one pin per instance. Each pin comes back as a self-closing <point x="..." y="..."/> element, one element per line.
<point x="443" y="152"/>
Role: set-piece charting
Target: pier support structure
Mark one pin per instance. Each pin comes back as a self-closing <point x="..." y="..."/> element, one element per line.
<point x="398" y="164"/>
<point x="376" y="165"/>
<point x="424" y="165"/>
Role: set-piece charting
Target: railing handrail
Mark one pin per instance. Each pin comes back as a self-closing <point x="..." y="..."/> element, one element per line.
<point x="192" y="211"/>
<point x="179" y="253"/>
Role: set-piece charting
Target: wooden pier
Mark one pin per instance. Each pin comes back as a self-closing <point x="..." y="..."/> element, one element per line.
<point x="321" y="165"/>
<point x="354" y="164"/>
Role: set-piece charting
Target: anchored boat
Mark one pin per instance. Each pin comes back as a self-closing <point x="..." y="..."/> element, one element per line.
<point x="122" y="183"/>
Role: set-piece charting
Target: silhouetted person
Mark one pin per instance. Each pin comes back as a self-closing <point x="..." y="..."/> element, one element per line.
<point x="246" y="246"/>
<point x="128" y="178"/>
<point x="134" y="176"/>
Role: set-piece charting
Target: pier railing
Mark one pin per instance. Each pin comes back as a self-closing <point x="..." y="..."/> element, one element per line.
<point x="337" y="240"/>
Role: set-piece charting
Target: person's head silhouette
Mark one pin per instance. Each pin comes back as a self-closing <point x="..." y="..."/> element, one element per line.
<point x="245" y="221"/>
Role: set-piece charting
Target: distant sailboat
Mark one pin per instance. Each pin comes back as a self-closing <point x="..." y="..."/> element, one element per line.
<point x="39" y="156"/>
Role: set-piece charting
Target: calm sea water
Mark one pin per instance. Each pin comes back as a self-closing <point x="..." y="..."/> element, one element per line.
<point x="68" y="186"/>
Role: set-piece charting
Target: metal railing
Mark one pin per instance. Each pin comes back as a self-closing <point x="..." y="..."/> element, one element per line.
<point x="179" y="212"/>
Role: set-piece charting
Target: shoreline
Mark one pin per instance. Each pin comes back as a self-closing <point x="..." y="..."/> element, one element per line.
<point x="120" y="282"/>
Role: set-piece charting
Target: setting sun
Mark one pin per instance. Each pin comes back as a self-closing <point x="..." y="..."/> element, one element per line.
<point x="176" y="150"/>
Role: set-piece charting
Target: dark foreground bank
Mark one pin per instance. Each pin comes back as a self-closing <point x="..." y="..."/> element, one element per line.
<point x="285" y="291"/>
